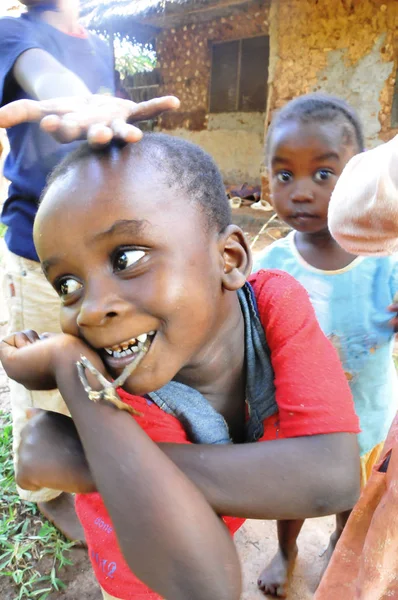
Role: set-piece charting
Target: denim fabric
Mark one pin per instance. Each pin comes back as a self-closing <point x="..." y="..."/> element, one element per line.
<point x="203" y="424"/>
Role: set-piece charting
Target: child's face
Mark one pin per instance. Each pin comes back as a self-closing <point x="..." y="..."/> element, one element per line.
<point x="130" y="256"/>
<point x="306" y="159"/>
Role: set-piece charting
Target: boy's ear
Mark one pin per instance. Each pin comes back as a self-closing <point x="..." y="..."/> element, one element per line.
<point x="236" y="258"/>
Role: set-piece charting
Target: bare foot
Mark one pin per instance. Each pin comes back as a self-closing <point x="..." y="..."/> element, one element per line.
<point x="273" y="580"/>
<point x="61" y="512"/>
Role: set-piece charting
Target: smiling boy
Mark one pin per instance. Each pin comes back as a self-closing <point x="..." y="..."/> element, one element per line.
<point x="138" y="242"/>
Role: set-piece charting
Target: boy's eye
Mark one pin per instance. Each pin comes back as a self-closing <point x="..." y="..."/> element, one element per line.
<point x="68" y="286"/>
<point x="322" y="175"/>
<point x="126" y="258"/>
<point x="284" y="176"/>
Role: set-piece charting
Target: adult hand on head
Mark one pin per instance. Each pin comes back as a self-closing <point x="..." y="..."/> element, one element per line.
<point x="97" y="118"/>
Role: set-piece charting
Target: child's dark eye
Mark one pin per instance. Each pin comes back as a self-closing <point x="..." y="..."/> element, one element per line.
<point x="126" y="258"/>
<point x="284" y="176"/>
<point x="322" y="175"/>
<point x="67" y="286"/>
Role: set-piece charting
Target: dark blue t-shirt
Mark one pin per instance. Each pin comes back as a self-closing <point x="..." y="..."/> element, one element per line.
<point x="33" y="153"/>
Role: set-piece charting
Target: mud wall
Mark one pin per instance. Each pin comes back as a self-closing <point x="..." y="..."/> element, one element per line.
<point x="235" y="140"/>
<point x="343" y="47"/>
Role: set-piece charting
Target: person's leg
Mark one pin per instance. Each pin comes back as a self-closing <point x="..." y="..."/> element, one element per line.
<point x="33" y="304"/>
<point x="273" y="579"/>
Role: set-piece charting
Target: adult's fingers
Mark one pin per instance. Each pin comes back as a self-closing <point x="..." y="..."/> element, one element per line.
<point x="64" y="131"/>
<point x="20" y="111"/>
<point x="153" y="108"/>
<point x="125" y="132"/>
<point x="99" y="134"/>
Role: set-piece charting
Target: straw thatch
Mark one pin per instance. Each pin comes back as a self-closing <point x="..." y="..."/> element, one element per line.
<point x="125" y="16"/>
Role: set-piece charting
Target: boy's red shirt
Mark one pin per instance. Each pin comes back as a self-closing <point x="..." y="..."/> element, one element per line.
<point x="312" y="394"/>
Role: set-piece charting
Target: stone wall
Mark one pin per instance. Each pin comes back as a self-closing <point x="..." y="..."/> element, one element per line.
<point x="235" y="140"/>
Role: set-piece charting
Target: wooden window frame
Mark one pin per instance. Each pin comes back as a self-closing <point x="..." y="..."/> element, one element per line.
<point x="212" y="44"/>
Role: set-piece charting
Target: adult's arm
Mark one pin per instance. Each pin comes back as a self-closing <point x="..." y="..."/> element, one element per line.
<point x="68" y="110"/>
<point x="43" y="77"/>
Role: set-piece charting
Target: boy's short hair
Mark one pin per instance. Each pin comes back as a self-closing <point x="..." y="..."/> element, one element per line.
<point x="185" y="166"/>
<point x="320" y="108"/>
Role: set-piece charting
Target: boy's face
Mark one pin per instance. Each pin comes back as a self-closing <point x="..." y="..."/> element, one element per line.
<point x="130" y="256"/>
<point x="306" y="160"/>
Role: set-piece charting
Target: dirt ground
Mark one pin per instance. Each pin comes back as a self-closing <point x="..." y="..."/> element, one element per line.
<point x="256" y="540"/>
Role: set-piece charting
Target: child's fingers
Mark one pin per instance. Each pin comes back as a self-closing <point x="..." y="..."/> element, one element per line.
<point x="394" y="323"/>
<point x="21" y="338"/>
<point x="33" y="412"/>
<point x="393" y="307"/>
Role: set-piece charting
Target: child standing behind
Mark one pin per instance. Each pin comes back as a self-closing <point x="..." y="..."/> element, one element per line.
<point x="309" y="143"/>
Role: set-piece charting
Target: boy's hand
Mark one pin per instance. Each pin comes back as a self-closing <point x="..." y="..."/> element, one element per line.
<point x="26" y="358"/>
<point x="34" y="360"/>
<point x="394" y="321"/>
<point x="51" y="455"/>
<point x="394" y="308"/>
<point x="97" y="118"/>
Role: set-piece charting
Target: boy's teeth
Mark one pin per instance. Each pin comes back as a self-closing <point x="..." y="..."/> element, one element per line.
<point x="131" y="347"/>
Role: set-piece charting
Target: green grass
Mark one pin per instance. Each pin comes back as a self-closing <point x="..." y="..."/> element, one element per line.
<point x="26" y="540"/>
<point x="2" y="230"/>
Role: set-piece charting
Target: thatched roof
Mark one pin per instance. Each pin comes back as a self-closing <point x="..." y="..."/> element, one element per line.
<point x="125" y="16"/>
<point x="142" y="19"/>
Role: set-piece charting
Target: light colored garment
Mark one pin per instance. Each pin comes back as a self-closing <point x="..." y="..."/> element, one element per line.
<point x="350" y="305"/>
<point x="363" y="211"/>
<point x="32" y="304"/>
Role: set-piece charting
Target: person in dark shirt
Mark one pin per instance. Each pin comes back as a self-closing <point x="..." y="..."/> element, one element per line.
<point x="53" y="68"/>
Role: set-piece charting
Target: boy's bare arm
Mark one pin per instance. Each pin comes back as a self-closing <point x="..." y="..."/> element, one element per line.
<point x="281" y="479"/>
<point x="66" y="108"/>
<point x="159" y="516"/>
